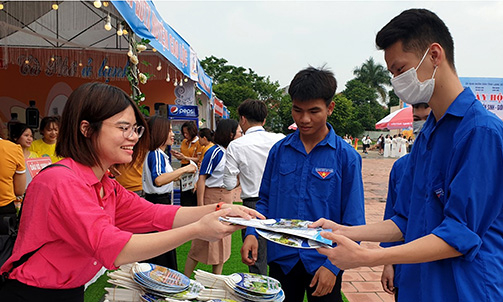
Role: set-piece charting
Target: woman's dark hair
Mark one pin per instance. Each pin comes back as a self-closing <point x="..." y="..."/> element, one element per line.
<point x="206" y="133"/>
<point x="226" y="131"/>
<point x="94" y="103"/>
<point x="48" y="120"/>
<point x="17" y="131"/>
<point x="191" y="129"/>
<point x="159" y="131"/>
<point x="311" y="84"/>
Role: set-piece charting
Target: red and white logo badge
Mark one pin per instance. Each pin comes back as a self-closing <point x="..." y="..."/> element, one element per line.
<point x="174" y="110"/>
<point x="324" y="172"/>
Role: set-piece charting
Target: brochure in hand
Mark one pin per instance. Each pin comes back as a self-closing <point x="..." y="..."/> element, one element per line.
<point x="189" y="180"/>
<point x="289" y="232"/>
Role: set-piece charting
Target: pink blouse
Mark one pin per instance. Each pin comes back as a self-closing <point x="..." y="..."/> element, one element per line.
<point x="78" y="231"/>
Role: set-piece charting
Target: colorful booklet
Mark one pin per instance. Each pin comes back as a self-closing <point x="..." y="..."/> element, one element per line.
<point x="288" y="232"/>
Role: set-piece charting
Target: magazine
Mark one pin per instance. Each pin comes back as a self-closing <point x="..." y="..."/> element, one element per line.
<point x="188" y="181"/>
<point x="289" y="232"/>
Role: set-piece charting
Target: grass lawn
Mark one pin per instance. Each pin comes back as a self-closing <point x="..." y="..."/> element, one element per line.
<point x="95" y="292"/>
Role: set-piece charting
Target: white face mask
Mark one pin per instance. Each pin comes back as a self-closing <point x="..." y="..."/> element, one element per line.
<point x="410" y="90"/>
<point x="417" y="126"/>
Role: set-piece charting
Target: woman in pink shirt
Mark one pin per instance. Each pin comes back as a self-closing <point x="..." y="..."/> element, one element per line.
<point x="75" y="219"/>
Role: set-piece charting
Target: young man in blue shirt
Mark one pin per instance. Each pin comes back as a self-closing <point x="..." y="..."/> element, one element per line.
<point x="390" y="274"/>
<point x="449" y="206"/>
<point x="312" y="173"/>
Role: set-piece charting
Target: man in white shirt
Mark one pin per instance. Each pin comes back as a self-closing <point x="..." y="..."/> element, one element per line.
<point x="246" y="158"/>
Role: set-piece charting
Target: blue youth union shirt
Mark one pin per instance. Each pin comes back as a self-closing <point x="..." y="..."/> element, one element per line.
<point x="453" y="189"/>
<point x="327" y="183"/>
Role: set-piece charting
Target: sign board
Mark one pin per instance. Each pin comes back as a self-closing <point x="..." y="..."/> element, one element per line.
<point x="487" y="90"/>
<point x="183" y="111"/>
<point x="34" y="165"/>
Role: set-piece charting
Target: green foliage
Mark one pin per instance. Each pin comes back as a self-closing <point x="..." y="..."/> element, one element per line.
<point x="368" y="111"/>
<point x="375" y="76"/>
<point x="343" y="117"/>
<point x="394" y="100"/>
<point x="234" y="84"/>
<point x="359" y="93"/>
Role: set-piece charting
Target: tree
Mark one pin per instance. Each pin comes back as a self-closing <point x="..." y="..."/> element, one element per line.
<point x="368" y="111"/>
<point x="234" y="84"/>
<point x="343" y="117"/>
<point x="394" y="100"/>
<point x="376" y="76"/>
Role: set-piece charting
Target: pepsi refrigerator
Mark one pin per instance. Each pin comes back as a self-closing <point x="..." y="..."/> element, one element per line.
<point x="178" y="115"/>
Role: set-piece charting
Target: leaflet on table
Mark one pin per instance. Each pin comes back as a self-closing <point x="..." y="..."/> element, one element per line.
<point x="189" y="180"/>
<point x="295" y="227"/>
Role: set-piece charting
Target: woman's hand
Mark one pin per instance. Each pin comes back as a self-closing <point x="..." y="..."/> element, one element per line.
<point x="240" y="211"/>
<point x="190" y="169"/>
<point x="212" y="229"/>
<point x="177" y="154"/>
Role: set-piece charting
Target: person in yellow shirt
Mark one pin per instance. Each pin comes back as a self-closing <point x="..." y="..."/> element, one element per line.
<point x="12" y="180"/>
<point x="190" y="150"/>
<point x="46" y="146"/>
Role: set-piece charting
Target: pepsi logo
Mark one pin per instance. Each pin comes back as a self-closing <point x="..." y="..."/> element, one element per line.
<point x="174" y="110"/>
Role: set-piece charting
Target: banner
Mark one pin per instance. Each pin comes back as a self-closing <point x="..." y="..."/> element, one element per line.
<point x="145" y="21"/>
<point x="487" y="90"/>
<point x="204" y="81"/>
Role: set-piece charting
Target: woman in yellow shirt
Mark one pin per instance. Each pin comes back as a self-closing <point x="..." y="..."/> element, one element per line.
<point x="190" y="150"/>
<point x="46" y="146"/>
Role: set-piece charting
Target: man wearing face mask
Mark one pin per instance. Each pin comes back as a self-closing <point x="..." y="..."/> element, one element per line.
<point x="390" y="273"/>
<point x="449" y="208"/>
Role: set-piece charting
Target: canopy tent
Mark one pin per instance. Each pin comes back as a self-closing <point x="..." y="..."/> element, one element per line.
<point x="399" y="119"/>
<point x="77" y="26"/>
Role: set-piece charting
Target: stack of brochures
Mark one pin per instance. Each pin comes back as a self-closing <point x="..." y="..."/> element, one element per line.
<point x="239" y="287"/>
<point x="128" y="288"/>
<point x="288" y="232"/>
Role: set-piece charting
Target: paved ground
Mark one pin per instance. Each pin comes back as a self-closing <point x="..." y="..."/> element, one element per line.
<point x="363" y="284"/>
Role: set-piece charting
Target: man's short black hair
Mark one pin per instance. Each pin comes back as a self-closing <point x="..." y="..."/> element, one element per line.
<point x="424" y="105"/>
<point x="312" y="83"/>
<point x="417" y="29"/>
<point x="254" y="111"/>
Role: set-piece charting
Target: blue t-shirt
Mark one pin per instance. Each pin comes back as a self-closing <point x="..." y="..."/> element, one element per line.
<point x="453" y="189"/>
<point x="327" y="183"/>
<point x="156" y="163"/>
<point x="395" y="178"/>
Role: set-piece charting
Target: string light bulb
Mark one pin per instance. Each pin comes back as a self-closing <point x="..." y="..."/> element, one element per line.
<point x="176" y="82"/>
<point x="52" y="59"/>
<point x="105" y="3"/>
<point x="124" y="31"/>
<point x="167" y="77"/>
<point x="55" y="6"/>
<point x="181" y="82"/>
<point x="1" y="6"/>
<point x="97" y="3"/>
<point x="27" y="61"/>
<point x="154" y="50"/>
<point x="108" y="25"/>
<point x="119" y="30"/>
<point x="186" y="80"/>
<point x="159" y="67"/>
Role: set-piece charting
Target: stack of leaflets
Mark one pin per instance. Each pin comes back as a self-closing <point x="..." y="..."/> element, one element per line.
<point x="240" y="287"/>
<point x="129" y="290"/>
<point x="159" y="280"/>
<point x="288" y="232"/>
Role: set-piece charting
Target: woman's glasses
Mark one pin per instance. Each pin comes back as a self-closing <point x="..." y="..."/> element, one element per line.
<point x="127" y="131"/>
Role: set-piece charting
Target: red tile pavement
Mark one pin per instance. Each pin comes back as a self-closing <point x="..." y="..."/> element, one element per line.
<point x="363" y="284"/>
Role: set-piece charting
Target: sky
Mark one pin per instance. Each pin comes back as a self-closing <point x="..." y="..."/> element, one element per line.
<point x="279" y="38"/>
